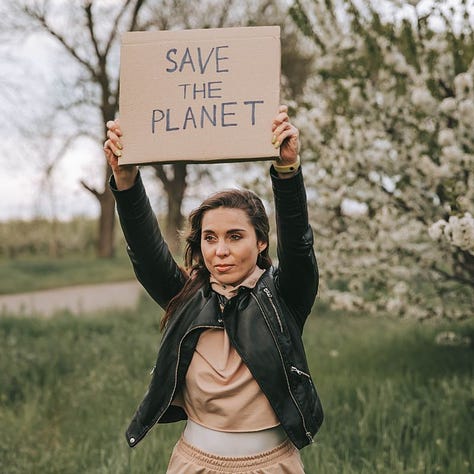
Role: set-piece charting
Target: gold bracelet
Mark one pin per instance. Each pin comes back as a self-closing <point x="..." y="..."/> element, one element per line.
<point x="283" y="169"/>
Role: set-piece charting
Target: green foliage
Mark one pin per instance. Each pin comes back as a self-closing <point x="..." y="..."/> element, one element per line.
<point x="395" y="401"/>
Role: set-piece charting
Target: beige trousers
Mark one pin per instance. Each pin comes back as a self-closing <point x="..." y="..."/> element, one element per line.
<point x="186" y="459"/>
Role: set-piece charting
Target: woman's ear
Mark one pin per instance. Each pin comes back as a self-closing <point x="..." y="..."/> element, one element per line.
<point x="261" y="246"/>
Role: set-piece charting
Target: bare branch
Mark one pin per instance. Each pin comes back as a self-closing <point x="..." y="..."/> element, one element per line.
<point x="114" y="31"/>
<point x="94" y="191"/>
<point x="43" y="22"/>
<point x="225" y="13"/>
<point x="160" y="172"/>
<point x="90" y="27"/>
<point x="136" y="10"/>
<point x="451" y="277"/>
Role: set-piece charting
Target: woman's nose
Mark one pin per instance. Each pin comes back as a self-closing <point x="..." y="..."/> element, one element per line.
<point x="222" y="249"/>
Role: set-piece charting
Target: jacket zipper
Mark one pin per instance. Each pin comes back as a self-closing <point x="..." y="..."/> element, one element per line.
<point x="270" y="298"/>
<point x="177" y="365"/>
<point x="307" y="432"/>
<point x="299" y="372"/>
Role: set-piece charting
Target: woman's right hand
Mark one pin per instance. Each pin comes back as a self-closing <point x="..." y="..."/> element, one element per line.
<point x="124" y="174"/>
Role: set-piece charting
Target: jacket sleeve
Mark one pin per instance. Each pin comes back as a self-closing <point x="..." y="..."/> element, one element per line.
<point x="297" y="277"/>
<point x="152" y="261"/>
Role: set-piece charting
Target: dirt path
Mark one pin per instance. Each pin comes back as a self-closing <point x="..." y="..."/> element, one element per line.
<point x="77" y="299"/>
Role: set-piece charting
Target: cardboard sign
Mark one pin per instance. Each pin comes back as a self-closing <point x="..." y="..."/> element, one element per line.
<point x="199" y="95"/>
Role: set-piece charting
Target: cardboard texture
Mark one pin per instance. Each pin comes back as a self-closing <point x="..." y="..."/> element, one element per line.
<point x="199" y="95"/>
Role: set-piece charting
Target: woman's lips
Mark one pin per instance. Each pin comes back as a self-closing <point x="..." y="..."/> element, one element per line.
<point x="223" y="267"/>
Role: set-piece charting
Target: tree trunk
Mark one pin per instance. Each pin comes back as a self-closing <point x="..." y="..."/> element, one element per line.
<point x="106" y="241"/>
<point x="174" y="222"/>
<point x="175" y="187"/>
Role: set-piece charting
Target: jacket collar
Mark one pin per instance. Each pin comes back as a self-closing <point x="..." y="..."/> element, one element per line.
<point x="229" y="291"/>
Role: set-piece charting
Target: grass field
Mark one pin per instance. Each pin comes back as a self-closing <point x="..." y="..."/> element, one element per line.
<point x="395" y="400"/>
<point x="41" y="272"/>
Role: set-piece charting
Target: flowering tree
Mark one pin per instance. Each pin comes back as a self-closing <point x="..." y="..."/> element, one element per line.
<point x="389" y="151"/>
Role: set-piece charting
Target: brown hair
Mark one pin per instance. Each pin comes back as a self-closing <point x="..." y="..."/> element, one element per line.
<point x="243" y="199"/>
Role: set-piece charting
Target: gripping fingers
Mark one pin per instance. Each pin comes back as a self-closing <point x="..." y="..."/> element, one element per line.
<point x="280" y="133"/>
<point x="280" y="119"/>
<point x="110" y="146"/>
<point x="109" y="154"/>
<point x="114" y="126"/>
<point x="113" y="142"/>
<point x="290" y="132"/>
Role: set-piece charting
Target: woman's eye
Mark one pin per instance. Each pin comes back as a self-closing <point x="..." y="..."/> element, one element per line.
<point x="208" y="238"/>
<point x="235" y="237"/>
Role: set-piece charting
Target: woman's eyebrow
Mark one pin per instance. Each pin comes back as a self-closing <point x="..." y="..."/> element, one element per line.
<point x="229" y="231"/>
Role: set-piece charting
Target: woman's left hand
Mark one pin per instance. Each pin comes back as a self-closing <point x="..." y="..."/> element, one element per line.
<point x="286" y="137"/>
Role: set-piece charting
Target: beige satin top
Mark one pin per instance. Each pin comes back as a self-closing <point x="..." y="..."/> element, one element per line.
<point x="220" y="392"/>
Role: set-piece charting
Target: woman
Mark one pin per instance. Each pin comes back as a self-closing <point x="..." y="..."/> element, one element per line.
<point x="231" y="359"/>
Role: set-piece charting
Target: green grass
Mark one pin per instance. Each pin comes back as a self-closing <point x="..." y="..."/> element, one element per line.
<point x="38" y="273"/>
<point x="395" y="401"/>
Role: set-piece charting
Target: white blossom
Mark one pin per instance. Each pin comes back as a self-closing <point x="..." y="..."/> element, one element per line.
<point x="436" y="230"/>
<point x="466" y="111"/>
<point x="346" y="301"/>
<point x="452" y="153"/>
<point x="355" y="98"/>
<point x="463" y="232"/>
<point x="432" y="171"/>
<point x="398" y="62"/>
<point x="394" y="306"/>
<point x="448" y="106"/>
<point x="326" y="62"/>
<point x="400" y="288"/>
<point x="356" y="285"/>
<point x="458" y="231"/>
<point x="422" y="98"/>
<point x="450" y="338"/>
<point x="436" y="44"/>
<point x="463" y="84"/>
<point x="446" y="137"/>
<point x="464" y="202"/>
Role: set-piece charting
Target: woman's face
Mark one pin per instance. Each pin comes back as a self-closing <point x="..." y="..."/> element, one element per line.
<point x="229" y="245"/>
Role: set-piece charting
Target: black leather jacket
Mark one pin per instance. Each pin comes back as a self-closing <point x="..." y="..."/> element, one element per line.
<point x="264" y="324"/>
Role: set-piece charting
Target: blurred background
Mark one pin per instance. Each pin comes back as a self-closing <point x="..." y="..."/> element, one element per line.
<point x="383" y="94"/>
